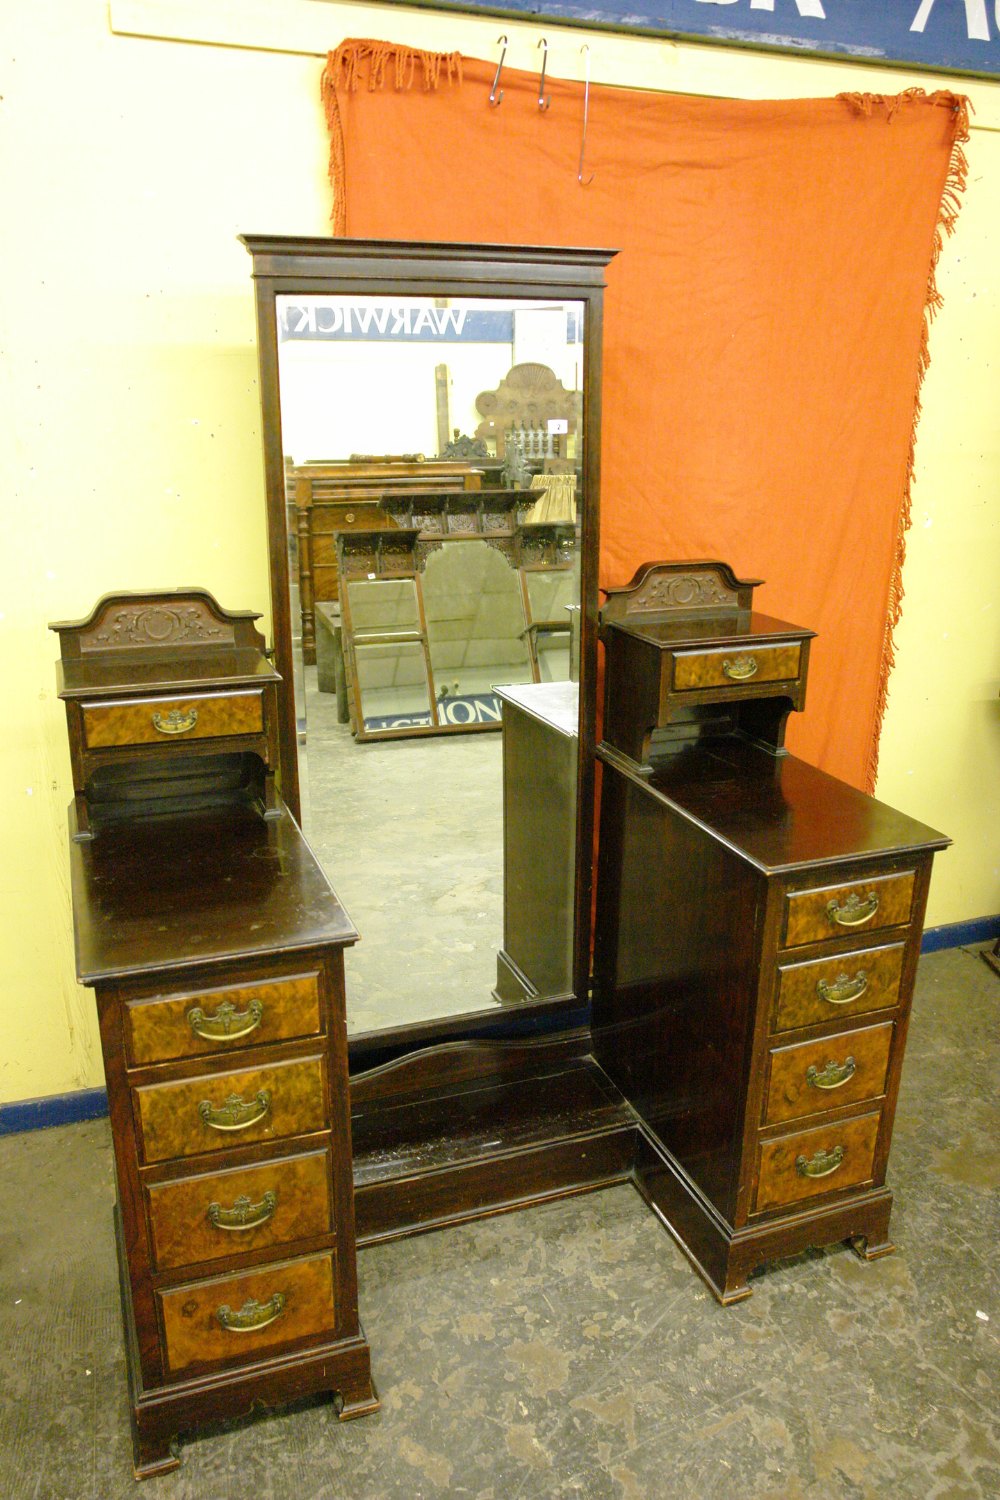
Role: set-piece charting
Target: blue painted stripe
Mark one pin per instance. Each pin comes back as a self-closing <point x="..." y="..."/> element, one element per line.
<point x="91" y="1104"/>
<point x="56" y="1109"/>
<point x="961" y="934"/>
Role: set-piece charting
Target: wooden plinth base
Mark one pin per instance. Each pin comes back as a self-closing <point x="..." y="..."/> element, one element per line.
<point x="723" y="1256"/>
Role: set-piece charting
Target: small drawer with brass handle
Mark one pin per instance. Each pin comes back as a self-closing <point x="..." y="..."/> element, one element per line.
<point x="830" y="989"/>
<point x="171" y="720"/>
<point x="813" y="916"/>
<point x="197" y="1021"/>
<point x="823" y="1160"/>
<point x="208" y="1216"/>
<point x="729" y="668"/>
<point x="211" y="1113"/>
<point x="240" y="1317"/>
<point x="810" y="1077"/>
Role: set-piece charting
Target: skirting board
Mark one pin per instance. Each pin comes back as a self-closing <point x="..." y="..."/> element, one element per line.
<point x="91" y="1104"/>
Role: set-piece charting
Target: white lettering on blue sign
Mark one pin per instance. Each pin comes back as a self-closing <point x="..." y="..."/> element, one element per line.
<point x="976" y="20"/>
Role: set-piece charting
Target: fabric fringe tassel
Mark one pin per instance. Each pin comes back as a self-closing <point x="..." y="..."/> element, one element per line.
<point x="348" y="66"/>
<point x="951" y="198"/>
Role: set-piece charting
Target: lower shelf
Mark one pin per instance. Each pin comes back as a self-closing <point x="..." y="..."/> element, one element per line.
<point x="505" y="1126"/>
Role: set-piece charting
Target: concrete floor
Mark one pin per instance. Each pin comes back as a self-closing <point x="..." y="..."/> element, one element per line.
<point x="570" y="1351"/>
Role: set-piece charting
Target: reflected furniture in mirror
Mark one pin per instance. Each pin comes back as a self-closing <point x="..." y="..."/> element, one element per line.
<point x="467" y="1095"/>
<point x="215" y="947"/>
<point x="434" y="619"/>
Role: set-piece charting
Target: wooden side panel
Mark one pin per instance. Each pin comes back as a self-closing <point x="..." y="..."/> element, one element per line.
<point x="297" y="1296"/>
<point x="273" y="1203"/>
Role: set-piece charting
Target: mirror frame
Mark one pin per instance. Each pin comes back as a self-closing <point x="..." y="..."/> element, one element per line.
<point x="289" y="265"/>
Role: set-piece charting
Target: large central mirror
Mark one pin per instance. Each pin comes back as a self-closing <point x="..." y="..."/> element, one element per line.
<point x="431" y="450"/>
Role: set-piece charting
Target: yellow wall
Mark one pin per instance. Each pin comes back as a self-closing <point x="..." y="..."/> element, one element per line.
<point x="131" y="163"/>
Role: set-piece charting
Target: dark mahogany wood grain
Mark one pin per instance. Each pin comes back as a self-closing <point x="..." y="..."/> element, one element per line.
<point x="199" y="888"/>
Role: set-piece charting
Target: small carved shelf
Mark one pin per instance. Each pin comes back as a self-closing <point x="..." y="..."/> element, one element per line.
<point x="170" y="702"/>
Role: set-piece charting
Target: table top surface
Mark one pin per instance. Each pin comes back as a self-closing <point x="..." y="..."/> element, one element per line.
<point x="777" y="812"/>
<point x="184" y="889"/>
<point x="726" y="628"/>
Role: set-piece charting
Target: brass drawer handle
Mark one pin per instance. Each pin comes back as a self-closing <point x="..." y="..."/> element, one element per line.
<point x="228" y="1024"/>
<point x="177" y="721"/>
<point x="243" y="1214"/>
<point x="820" y="1165"/>
<point x="832" y="1076"/>
<point x="844" y="989"/>
<point x="740" y="668"/>
<point x="236" y="1113"/>
<point x="855" y="911"/>
<point x="252" y="1315"/>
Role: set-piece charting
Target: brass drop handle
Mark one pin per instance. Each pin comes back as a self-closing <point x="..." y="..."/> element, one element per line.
<point x="235" y="1113"/>
<point x="832" y="1076"/>
<point x="855" y="911"/>
<point x="740" y="668"/>
<point x="252" y="1315"/>
<point x="844" y="989"/>
<point x="822" y="1164"/>
<point x="175" y="721"/>
<point x="349" y="518"/>
<point x="243" y="1214"/>
<point x="227" y="1024"/>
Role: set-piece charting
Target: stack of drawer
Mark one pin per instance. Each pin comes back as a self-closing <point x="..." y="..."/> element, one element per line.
<point x="836" y="1037"/>
<point x="234" y="1149"/>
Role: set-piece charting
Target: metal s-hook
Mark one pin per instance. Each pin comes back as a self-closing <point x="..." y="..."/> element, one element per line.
<point x="586" y="112"/>
<point x="543" y="103"/>
<point x="495" y="98"/>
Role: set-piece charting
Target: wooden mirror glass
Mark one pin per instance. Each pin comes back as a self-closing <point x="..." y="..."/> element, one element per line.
<point x="431" y="426"/>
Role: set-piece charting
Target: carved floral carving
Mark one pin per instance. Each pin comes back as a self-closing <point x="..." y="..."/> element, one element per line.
<point x="157" y="625"/>
<point x="681" y="591"/>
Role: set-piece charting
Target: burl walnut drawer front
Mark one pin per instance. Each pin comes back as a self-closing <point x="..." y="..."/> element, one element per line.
<point x="816" y="1161"/>
<point x="831" y="989"/>
<point x="814" y="916"/>
<point x="234" y="1318"/>
<point x="813" y="1076"/>
<point x="168" y="720"/>
<point x="222" y="1213"/>
<point x="221" y="1110"/>
<point x="215" y="1020"/>
<point x="732" y="667"/>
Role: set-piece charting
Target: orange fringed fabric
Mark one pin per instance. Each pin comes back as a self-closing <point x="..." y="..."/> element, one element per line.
<point x="955" y="183"/>
<point x="343" y="71"/>
<point x="766" y="323"/>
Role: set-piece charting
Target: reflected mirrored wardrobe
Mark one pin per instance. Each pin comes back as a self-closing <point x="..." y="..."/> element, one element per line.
<point x="431" y="464"/>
